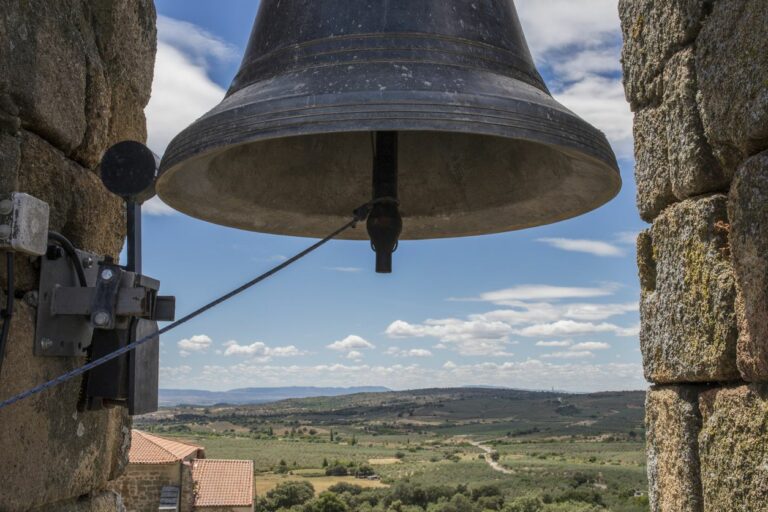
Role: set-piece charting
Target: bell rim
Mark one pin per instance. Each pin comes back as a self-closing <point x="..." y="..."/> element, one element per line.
<point x="330" y="223"/>
<point x="591" y="145"/>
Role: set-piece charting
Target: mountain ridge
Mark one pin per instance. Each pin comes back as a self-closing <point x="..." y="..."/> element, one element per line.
<point x="256" y="395"/>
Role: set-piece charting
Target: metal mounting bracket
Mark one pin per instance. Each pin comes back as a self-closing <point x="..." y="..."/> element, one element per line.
<point x="68" y="313"/>
<point x="58" y="334"/>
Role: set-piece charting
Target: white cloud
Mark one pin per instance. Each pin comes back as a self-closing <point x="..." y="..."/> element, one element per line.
<point x="469" y="338"/>
<point x="346" y="270"/>
<point x="287" y="351"/>
<point x="570" y="327"/>
<point x="589" y="312"/>
<point x="174" y="373"/>
<point x="489" y="333"/>
<point x="594" y="247"/>
<point x="197" y="343"/>
<point x="629" y="331"/>
<point x="157" y="207"/>
<point x="355" y="355"/>
<point x="351" y="342"/>
<point x="181" y="93"/>
<point x="526" y="292"/>
<point x="529" y="313"/>
<point x="532" y="374"/>
<point x="415" y="352"/>
<point x="591" y="345"/>
<point x="554" y="24"/>
<point x="182" y="90"/>
<point x="583" y="64"/>
<point x="522" y="313"/>
<point x="583" y="354"/>
<point x="554" y="343"/>
<point x="198" y="44"/>
<point x="627" y="237"/>
<point x="261" y="350"/>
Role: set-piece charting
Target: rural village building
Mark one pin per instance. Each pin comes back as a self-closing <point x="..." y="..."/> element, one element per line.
<point x="223" y="485"/>
<point x="167" y="475"/>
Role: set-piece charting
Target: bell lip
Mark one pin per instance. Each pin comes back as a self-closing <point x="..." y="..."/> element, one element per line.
<point x="231" y="131"/>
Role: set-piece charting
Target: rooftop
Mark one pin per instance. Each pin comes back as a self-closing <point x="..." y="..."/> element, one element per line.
<point x="223" y="483"/>
<point x="149" y="449"/>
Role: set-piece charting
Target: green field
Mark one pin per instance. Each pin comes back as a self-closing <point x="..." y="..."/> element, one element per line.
<point x="555" y="452"/>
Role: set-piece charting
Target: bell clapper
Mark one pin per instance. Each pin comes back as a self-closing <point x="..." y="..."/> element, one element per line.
<point x="384" y="222"/>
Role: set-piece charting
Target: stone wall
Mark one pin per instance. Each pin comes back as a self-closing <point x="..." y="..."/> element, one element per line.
<point x="75" y="76"/>
<point x="696" y="76"/>
<point x="188" y="489"/>
<point x="141" y="484"/>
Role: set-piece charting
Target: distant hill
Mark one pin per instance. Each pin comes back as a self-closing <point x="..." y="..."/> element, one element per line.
<point x="452" y="411"/>
<point x="244" y="396"/>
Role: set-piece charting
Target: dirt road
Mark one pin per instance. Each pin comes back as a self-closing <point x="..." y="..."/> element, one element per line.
<point x="488" y="451"/>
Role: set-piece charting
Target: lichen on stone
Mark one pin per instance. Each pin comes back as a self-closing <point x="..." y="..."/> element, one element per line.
<point x="688" y="325"/>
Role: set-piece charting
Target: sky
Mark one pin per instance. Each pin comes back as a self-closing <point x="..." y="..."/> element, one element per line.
<point x="550" y="307"/>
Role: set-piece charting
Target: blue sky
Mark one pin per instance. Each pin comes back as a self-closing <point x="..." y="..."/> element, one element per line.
<point x="554" y="306"/>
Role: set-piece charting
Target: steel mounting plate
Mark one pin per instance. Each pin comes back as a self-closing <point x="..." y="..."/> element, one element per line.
<point x="62" y="335"/>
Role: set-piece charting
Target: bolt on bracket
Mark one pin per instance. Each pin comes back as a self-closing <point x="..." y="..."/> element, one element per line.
<point x="68" y="313"/>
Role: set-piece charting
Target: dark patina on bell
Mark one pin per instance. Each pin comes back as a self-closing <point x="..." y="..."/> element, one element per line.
<point x="482" y="147"/>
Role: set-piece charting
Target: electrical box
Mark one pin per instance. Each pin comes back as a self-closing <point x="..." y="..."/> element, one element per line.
<point x="23" y="224"/>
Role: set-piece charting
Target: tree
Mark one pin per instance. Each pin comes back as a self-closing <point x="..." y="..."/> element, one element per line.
<point x="290" y="494"/>
<point x="364" y="470"/>
<point x="326" y="502"/>
<point x="331" y="435"/>
<point x="573" y="506"/>
<point x="525" y="504"/>
<point x="582" y="495"/>
<point x="325" y="462"/>
<point x="485" y="491"/>
<point x="491" y="502"/>
<point x="342" y="487"/>
<point x="495" y="456"/>
<point x="459" y="503"/>
<point x="282" y="467"/>
<point x="336" y="470"/>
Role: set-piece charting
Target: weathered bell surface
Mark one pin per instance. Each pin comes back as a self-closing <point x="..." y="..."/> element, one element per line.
<point x="481" y="145"/>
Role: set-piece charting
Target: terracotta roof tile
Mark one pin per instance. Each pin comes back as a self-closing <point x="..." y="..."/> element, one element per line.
<point x="223" y="483"/>
<point x="149" y="449"/>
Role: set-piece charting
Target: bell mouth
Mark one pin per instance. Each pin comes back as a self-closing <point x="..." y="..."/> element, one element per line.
<point x="470" y="164"/>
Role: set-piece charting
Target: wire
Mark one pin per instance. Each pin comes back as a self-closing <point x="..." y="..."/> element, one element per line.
<point x="7" y="313"/>
<point x="360" y="215"/>
<point x="72" y="253"/>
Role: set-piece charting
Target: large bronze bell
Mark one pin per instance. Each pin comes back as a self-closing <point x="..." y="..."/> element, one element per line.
<point x="329" y="89"/>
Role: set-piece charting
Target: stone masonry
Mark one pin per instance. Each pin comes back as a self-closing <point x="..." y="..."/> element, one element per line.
<point x="140" y="485"/>
<point x="696" y="76"/>
<point x="75" y="76"/>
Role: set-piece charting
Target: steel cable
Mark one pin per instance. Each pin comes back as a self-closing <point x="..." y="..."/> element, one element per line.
<point x="360" y="215"/>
